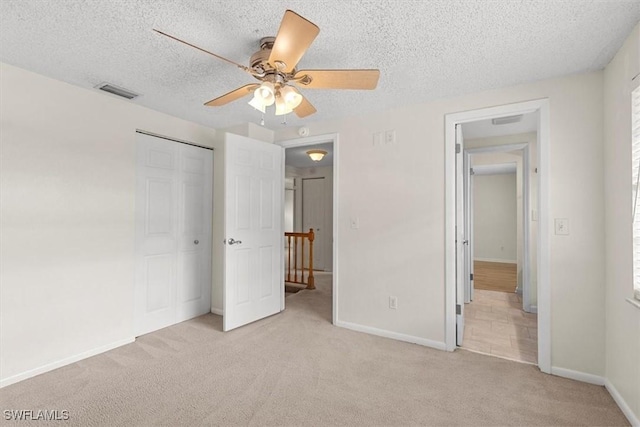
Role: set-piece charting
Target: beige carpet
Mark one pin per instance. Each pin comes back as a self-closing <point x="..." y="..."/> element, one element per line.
<point x="296" y="369"/>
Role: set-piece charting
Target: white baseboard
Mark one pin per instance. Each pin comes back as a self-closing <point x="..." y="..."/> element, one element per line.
<point x="533" y="309"/>
<point x="393" y="335"/>
<point x="217" y="311"/>
<point x="504" y="261"/>
<point x="63" y="362"/>
<point x="577" y="375"/>
<point x="634" y="419"/>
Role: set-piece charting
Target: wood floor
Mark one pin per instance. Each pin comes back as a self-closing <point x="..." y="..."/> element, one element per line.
<point x="495" y="276"/>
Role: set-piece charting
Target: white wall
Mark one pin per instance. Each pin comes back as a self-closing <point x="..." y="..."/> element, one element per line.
<point x="67" y="179"/>
<point x="397" y="193"/>
<point x="251" y="130"/>
<point x="623" y="319"/>
<point x="495" y="218"/>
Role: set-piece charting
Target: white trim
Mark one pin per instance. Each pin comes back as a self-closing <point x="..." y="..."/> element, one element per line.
<point x="63" y="362"/>
<point x="449" y="233"/>
<point x="497" y="148"/>
<point x="622" y="404"/>
<point x="634" y="302"/>
<point x="495" y="169"/>
<point x="543" y="245"/>
<point x="577" y="375"/>
<point x="544" y="292"/>
<point x="218" y="311"/>
<point x="439" y="345"/>
<point x="318" y="139"/>
<point x="534" y="309"/>
<point x="504" y="261"/>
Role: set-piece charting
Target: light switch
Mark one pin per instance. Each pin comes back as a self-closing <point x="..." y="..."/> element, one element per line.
<point x="390" y="137"/>
<point x="355" y="223"/>
<point x="562" y="226"/>
<point x="377" y="139"/>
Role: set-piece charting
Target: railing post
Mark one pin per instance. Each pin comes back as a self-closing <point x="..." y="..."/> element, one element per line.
<point x="289" y="256"/>
<point x="311" y="283"/>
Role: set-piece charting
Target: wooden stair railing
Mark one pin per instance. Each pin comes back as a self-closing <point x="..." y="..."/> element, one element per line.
<point x="295" y="275"/>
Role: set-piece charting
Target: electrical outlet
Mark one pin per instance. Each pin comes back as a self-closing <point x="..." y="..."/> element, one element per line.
<point x="393" y="303"/>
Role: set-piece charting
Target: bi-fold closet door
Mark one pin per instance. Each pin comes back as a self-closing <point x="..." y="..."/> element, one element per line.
<point x="173" y="232"/>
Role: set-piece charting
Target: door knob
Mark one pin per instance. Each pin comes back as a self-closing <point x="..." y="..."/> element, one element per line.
<point x="232" y="241"/>
<point x="195" y="242"/>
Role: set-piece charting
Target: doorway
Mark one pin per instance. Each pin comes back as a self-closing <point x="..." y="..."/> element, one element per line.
<point x="500" y="318"/>
<point x="313" y="187"/>
<point x="458" y="260"/>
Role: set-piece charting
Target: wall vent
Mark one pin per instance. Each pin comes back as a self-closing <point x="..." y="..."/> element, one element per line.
<point x="507" y="120"/>
<point x="115" y="90"/>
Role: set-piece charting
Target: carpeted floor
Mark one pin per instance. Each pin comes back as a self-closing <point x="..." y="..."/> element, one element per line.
<point x="297" y="369"/>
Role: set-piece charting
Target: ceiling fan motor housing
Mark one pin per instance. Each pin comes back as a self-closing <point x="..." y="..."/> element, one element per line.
<point x="259" y="60"/>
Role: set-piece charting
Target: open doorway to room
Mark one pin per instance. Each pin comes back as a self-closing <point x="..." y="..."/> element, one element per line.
<point x="500" y="224"/>
<point x="497" y="248"/>
<point x="309" y="224"/>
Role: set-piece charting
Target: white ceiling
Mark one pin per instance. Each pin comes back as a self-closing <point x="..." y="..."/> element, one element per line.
<point x="298" y="157"/>
<point x="486" y="128"/>
<point x="424" y="50"/>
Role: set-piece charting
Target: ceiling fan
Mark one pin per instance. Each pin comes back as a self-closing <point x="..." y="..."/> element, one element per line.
<point x="274" y="65"/>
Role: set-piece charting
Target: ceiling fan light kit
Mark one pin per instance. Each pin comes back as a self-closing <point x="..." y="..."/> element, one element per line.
<point x="274" y="65"/>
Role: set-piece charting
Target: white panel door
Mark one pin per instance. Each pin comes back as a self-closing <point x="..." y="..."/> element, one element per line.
<point x="460" y="239"/>
<point x="173" y="212"/>
<point x="254" y="239"/>
<point x="194" y="243"/>
<point x="313" y="207"/>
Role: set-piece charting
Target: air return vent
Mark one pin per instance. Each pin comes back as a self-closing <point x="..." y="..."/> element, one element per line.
<point x="124" y="93"/>
<point x="506" y="120"/>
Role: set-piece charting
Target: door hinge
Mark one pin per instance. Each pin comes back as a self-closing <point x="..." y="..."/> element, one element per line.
<point x="472" y="172"/>
<point x="471" y="276"/>
<point x="458" y="148"/>
<point x="458" y="309"/>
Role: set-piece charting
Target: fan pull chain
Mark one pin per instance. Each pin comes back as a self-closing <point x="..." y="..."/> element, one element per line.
<point x="262" y="120"/>
<point x="284" y="119"/>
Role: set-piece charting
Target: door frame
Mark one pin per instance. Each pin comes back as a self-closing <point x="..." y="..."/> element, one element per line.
<point x="314" y="140"/>
<point x="526" y="208"/>
<point x="544" y="293"/>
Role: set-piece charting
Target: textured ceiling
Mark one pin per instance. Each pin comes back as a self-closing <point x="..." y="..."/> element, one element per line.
<point x="424" y="50"/>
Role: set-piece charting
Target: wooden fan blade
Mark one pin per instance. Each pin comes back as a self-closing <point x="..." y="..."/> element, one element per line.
<point x="305" y="108"/>
<point x="294" y="38"/>
<point x="242" y="67"/>
<point x="233" y="95"/>
<point x="338" y="79"/>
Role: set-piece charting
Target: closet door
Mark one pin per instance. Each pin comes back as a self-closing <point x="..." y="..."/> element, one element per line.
<point x="173" y="233"/>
